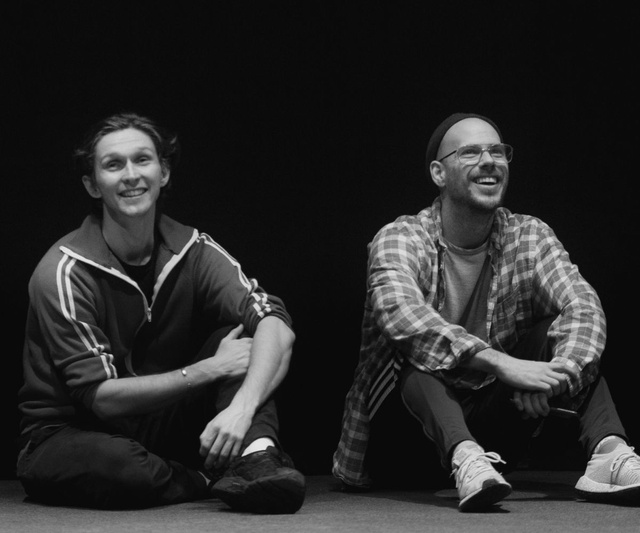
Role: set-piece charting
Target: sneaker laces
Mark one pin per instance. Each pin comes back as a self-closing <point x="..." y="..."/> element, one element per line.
<point x="627" y="459"/>
<point x="475" y="464"/>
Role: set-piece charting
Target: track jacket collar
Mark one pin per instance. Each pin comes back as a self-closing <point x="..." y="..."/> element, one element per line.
<point x="88" y="242"/>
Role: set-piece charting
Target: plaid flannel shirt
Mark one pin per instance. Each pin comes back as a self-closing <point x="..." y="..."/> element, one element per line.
<point x="532" y="278"/>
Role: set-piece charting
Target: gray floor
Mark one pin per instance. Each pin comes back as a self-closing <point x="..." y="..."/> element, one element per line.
<point x="542" y="501"/>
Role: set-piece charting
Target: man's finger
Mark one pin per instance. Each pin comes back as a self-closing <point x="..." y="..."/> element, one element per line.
<point x="517" y="400"/>
<point x="235" y="332"/>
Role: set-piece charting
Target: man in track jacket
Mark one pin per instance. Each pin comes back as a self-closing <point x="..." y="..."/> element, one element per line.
<point x="150" y="359"/>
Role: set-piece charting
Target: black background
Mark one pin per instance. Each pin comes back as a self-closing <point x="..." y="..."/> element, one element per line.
<point x="303" y="127"/>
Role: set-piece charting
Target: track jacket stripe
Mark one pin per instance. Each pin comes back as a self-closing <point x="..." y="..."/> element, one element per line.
<point x="83" y="330"/>
<point x="261" y="306"/>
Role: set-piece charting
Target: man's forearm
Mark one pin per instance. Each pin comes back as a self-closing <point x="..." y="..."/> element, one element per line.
<point x="487" y="360"/>
<point x="270" y="356"/>
<point x="547" y="377"/>
<point x="144" y="394"/>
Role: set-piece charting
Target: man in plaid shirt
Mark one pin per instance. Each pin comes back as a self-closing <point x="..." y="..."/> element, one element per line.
<point x="482" y="321"/>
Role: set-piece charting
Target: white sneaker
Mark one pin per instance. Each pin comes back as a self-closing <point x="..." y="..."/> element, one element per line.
<point x="479" y="484"/>
<point x="612" y="476"/>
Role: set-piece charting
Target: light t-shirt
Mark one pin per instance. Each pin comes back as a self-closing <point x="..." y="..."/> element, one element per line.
<point x="467" y="275"/>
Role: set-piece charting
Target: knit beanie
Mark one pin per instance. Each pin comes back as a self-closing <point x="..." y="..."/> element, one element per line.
<point x="443" y="128"/>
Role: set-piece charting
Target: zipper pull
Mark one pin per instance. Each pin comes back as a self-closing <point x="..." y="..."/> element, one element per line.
<point x="148" y="314"/>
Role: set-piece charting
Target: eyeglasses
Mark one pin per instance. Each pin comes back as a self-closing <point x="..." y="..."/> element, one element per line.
<point x="472" y="153"/>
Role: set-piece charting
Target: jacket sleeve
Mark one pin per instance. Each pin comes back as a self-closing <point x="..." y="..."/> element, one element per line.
<point x="402" y="285"/>
<point x="228" y="294"/>
<point x="62" y="336"/>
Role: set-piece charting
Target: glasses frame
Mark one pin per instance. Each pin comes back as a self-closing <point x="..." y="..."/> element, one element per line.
<point x="509" y="150"/>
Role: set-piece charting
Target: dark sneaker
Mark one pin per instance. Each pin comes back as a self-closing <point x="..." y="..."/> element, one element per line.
<point x="263" y="482"/>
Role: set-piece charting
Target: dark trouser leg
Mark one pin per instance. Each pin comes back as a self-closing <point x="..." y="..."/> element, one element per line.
<point x="78" y="466"/>
<point x="134" y="461"/>
<point x="436" y="407"/>
<point x="449" y="416"/>
<point x="599" y="417"/>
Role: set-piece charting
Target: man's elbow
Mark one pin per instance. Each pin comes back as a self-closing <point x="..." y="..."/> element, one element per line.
<point x="290" y="338"/>
<point x="287" y="339"/>
<point x="102" y="411"/>
<point x="102" y="406"/>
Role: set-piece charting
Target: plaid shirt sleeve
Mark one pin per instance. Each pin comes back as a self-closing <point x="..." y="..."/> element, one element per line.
<point x="403" y="288"/>
<point x="579" y="332"/>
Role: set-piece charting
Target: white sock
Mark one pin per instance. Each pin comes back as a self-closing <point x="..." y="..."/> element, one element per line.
<point x="258" y="445"/>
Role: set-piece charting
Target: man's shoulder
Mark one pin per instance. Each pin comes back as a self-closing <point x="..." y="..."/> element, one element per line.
<point x="521" y="222"/>
<point x="422" y="222"/>
<point x="175" y="234"/>
<point x="43" y="277"/>
<point x="54" y="253"/>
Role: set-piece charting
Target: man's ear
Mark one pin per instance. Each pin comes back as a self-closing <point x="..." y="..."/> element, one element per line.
<point x="166" y="173"/>
<point x="90" y="184"/>
<point x="438" y="173"/>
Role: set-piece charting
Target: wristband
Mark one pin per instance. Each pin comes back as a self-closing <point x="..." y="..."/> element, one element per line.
<point x="183" y="371"/>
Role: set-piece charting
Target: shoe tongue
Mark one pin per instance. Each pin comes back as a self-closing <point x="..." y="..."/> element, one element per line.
<point x="463" y="451"/>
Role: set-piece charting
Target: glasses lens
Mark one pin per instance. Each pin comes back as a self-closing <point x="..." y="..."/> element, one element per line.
<point x="501" y="152"/>
<point x="471" y="154"/>
<point x="497" y="151"/>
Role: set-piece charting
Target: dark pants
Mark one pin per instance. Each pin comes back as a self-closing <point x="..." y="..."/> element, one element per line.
<point x="449" y="416"/>
<point x="137" y="461"/>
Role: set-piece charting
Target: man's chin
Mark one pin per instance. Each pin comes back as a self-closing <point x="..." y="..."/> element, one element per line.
<point x="489" y="203"/>
<point x="486" y="207"/>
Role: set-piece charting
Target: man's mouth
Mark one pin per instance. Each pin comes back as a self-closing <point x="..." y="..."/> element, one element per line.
<point x="486" y="180"/>
<point x="132" y="193"/>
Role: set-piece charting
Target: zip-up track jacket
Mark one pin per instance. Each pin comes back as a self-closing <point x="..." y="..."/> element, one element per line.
<point x="88" y="321"/>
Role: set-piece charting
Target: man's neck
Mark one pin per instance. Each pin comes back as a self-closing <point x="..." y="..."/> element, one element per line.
<point x="132" y="242"/>
<point x="466" y="228"/>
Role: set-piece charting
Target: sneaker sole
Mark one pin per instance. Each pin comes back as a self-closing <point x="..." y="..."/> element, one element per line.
<point x="603" y="492"/>
<point x="486" y="496"/>
<point x="280" y="494"/>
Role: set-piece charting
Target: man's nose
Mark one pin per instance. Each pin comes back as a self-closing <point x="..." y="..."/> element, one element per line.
<point x="131" y="171"/>
<point x="486" y="157"/>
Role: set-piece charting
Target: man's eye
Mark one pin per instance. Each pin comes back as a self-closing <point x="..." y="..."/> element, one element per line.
<point x="497" y="151"/>
<point x="469" y="151"/>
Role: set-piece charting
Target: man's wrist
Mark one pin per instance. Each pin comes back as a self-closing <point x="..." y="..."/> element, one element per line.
<point x="186" y="376"/>
<point x="486" y="360"/>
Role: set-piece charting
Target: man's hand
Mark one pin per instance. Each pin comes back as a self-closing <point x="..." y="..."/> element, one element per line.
<point x="221" y="440"/>
<point x="531" y="404"/>
<point x="232" y="357"/>
<point x="537" y="376"/>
